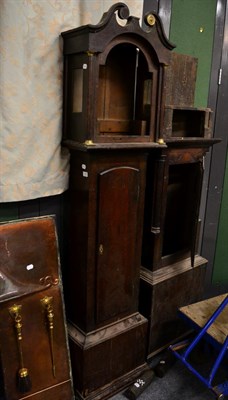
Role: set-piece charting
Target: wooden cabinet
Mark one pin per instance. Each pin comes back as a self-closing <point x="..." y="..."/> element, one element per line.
<point x="113" y="113"/>
<point x="135" y="182"/>
<point x="107" y="333"/>
<point x="172" y="271"/>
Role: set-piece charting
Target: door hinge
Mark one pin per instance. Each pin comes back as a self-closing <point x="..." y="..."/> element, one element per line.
<point x="220" y="76"/>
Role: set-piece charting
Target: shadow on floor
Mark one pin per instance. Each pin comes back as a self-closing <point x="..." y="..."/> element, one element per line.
<point x="177" y="384"/>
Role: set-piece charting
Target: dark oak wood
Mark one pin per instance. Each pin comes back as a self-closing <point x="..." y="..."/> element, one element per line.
<point x="182" y="122"/>
<point x="107" y="194"/>
<point x="174" y="181"/>
<point x="181" y="91"/>
<point x="102" y="279"/>
<point x="118" y="350"/>
<point x="171" y="217"/>
<point x="162" y="293"/>
<point x="137" y="153"/>
<point x="112" y="74"/>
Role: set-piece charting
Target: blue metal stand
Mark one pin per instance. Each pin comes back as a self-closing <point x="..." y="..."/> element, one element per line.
<point x="222" y="389"/>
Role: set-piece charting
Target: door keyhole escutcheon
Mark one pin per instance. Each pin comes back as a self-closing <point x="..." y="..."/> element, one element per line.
<point x="101" y="249"/>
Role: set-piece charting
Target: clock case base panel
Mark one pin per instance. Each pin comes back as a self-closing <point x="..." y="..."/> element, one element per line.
<point x="118" y="351"/>
<point x="162" y="293"/>
<point x="115" y="386"/>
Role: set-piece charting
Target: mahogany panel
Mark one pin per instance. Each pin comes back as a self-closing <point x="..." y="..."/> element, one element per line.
<point x="117" y="272"/>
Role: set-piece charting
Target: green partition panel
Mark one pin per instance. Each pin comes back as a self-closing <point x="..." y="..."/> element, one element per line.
<point x="220" y="274"/>
<point x="192" y="30"/>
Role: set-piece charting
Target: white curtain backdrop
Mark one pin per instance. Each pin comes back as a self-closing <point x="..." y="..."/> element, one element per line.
<point x="32" y="163"/>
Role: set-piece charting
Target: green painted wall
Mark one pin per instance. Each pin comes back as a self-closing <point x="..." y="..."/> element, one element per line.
<point x="220" y="274"/>
<point x="189" y="18"/>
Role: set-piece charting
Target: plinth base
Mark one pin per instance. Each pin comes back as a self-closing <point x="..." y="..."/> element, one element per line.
<point x="163" y="292"/>
<point x="109" y="359"/>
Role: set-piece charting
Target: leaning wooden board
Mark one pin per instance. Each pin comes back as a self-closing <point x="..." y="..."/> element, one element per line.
<point x="199" y="313"/>
<point x="33" y="336"/>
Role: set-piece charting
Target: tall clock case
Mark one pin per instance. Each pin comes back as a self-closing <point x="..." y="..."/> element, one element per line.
<point x="135" y="183"/>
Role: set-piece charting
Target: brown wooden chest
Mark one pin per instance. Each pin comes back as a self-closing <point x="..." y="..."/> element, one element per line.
<point x="34" y="349"/>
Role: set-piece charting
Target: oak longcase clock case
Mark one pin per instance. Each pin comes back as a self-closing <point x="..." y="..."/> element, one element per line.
<point x="134" y="165"/>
